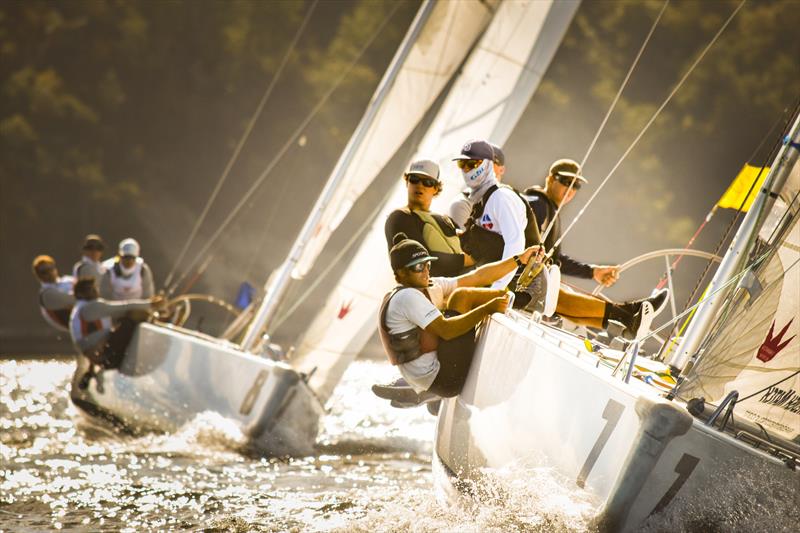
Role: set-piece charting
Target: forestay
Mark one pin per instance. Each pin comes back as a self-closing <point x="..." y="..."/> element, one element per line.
<point x="759" y="344"/>
<point x="486" y="100"/>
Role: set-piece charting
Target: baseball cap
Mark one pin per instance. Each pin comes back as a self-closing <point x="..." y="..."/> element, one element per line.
<point x="406" y="253"/>
<point x="424" y="167"/>
<point x="93" y="242"/>
<point x="129" y="247"/>
<point x="476" y="149"/>
<point x="568" y="168"/>
<point x="499" y="156"/>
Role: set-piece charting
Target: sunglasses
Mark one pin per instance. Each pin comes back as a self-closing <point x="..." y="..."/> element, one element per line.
<point x="420" y="267"/>
<point x="468" y="164"/>
<point x="567" y="180"/>
<point x="428" y="182"/>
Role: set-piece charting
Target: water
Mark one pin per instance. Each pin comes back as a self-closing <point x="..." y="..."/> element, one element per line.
<point x="372" y="471"/>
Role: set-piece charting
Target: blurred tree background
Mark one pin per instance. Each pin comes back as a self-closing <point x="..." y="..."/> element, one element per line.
<point x="118" y="117"/>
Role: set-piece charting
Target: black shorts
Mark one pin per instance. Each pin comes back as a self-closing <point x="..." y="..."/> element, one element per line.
<point x="455" y="359"/>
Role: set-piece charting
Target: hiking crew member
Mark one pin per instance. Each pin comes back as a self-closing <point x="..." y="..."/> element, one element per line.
<point x="55" y="294"/>
<point x="501" y="224"/>
<point x="436" y="232"/>
<point x="545" y="202"/>
<point x="101" y="330"/>
<point x="127" y="276"/>
<point x="90" y="262"/>
<point x="432" y="350"/>
<point x="461" y="207"/>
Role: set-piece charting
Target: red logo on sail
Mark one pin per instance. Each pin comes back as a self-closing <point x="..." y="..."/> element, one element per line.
<point x="344" y="309"/>
<point x="772" y="345"/>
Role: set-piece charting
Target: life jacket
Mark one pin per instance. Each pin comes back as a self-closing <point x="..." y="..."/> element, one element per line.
<point x="80" y="328"/>
<point x="408" y="345"/>
<point x="125" y="287"/>
<point x="58" y="318"/>
<point x="537" y="194"/>
<point x="438" y="233"/>
<point x="485" y="245"/>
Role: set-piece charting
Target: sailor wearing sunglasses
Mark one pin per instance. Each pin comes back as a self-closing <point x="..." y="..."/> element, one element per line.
<point x="436" y="232"/>
<point x="427" y="323"/>
<point x="501" y="224"/>
<point x="563" y="182"/>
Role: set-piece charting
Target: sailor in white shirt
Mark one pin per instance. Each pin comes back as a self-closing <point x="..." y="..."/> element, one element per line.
<point x="55" y="295"/>
<point x="497" y="209"/>
<point x="432" y="350"/>
<point x="127" y="276"/>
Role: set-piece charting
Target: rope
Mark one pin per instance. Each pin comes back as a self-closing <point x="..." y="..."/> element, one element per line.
<point x="245" y="136"/>
<point x="624" y="84"/>
<point x="649" y="123"/>
<point x="290" y="141"/>
<point x="412" y="148"/>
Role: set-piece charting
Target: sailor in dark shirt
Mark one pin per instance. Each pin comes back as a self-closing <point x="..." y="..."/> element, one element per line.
<point x="545" y="202"/>
<point x="436" y="232"/>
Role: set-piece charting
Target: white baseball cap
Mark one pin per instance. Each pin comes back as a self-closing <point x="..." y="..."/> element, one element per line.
<point x="129" y="247"/>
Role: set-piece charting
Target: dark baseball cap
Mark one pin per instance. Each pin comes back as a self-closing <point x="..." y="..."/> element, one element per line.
<point x="476" y="149"/>
<point x="406" y="253"/>
<point x="499" y="156"/>
<point x="93" y="242"/>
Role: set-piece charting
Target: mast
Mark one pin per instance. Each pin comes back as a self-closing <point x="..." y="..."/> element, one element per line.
<point x="275" y="289"/>
<point x="740" y="248"/>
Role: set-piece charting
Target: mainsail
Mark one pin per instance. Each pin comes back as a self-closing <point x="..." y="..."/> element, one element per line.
<point x="486" y="100"/>
<point x="440" y="47"/>
<point x="756" y="351"/>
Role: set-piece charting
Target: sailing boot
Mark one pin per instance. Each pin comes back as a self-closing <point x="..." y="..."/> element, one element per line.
<point x="642" y="314"/>
<point x="399" y="390"/>
<point x="533" y="297"/>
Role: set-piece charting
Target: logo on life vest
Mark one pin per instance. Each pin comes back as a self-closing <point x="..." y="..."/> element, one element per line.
<point x="772" y="345"/>
<point x="486" y="222"/>
<point x="344" y="309"/>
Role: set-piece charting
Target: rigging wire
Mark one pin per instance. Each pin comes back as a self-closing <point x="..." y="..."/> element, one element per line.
<point x="772" y="154"/>
<point x="245" y="136"/>
<point x="648" y="124"/>
<point x="412" y="148"/>
<point x="289" y="142"/>
<point x="624" y="84"/>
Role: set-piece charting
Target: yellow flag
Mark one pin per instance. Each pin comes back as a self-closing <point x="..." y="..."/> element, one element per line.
<point x="738" y="190"/>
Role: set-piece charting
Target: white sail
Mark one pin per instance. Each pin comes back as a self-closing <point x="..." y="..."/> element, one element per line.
<point x="486" y="100"/>
<point x="759" y="346"/>
<point x="441" y="46"/>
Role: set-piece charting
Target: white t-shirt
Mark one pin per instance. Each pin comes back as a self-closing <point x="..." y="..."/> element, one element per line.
<point x="505" y="214"/>
<point x="409" y="308"/>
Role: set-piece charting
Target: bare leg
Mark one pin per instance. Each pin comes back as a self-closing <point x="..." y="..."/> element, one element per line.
<point x="465" y="299"/>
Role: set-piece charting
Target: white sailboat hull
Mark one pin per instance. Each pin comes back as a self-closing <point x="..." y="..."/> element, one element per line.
<point x="170" y="375"/>
<point x="535" y="396"/>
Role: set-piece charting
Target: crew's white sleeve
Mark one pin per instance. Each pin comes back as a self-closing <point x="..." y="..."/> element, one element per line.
<point x="503" y="209"/>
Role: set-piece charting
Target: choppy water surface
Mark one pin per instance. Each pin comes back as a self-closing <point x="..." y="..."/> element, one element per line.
<point x="372" y="471"/>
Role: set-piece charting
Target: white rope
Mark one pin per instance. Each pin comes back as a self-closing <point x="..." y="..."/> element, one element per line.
<point x="246" y="135"/>
<point x="290" y="141"/>
<point x="650" y="122"/>
<point x="551" y="223"/>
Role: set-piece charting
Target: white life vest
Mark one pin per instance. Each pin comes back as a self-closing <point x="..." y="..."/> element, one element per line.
<point x="58" y="318"/>
<point x="125" y="287"/>
<point x="80" y="328"/>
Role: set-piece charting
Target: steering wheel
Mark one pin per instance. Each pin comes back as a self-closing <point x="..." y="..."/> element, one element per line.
<point x="666" y="253"/>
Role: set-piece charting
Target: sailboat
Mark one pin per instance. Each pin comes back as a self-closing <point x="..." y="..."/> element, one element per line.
<point x="170" y="374"/>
